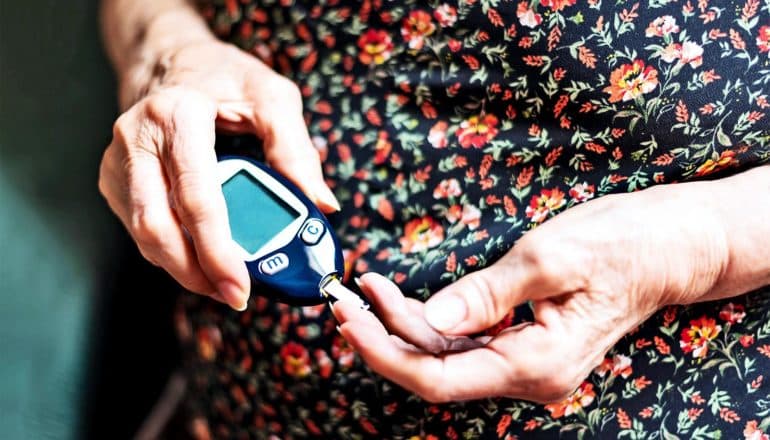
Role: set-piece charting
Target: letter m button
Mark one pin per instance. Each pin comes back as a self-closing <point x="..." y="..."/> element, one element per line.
<point x="274" y="263"/>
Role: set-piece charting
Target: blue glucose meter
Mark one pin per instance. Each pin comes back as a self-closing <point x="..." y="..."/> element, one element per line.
<point x="288" y="245"/>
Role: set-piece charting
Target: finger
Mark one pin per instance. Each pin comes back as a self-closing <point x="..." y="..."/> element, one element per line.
<point x="136" y="191"/>
<point x="287" y="145"/>
<point x="190" y="163"/>
<point x="406" y="319"/>
<point x="473" y="374"/>
<point x="530" y="362"/>
<point x="481" y="299"/>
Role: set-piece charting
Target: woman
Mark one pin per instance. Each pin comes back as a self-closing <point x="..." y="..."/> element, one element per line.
<point x="447" y="130"/>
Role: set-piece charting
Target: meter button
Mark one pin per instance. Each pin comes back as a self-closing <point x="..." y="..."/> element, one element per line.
<point x="312" y="231"/>
<point x="273" y="264"/>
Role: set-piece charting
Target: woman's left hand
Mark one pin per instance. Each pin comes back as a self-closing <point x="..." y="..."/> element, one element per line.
<point x="593" y="273"/>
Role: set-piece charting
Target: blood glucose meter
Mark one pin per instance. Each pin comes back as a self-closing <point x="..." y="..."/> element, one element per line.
<point x="289" y="248"/>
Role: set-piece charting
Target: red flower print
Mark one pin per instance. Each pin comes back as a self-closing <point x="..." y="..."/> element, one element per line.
<point x="557" y="5"/>
<point x="763" y="39"/>
<point x="324" y="363"/>
<point x="618" y="365"/>
<point x="631" y="81"/>
<point x="527" y="16"/>
<point x="732" y="313"/>
<point x="296" y="359"/>
<point x="542" y="205"/>
<point x="662" y="26"/>
<point x="582" y="192"/>
<point x="446" y="15"/>
<point x="477" y="130"/>
<point x="579" y="399"/>
<point x="375" y="47"/>
<point x="447" y="188"/>
<point x="437" y="135"/>
<point x="421" y="234"/>
<point x="726" y="159"/>
<point x="746" y="340"/>
<point x="696" y="338"/>
<point x="416" y="27"/>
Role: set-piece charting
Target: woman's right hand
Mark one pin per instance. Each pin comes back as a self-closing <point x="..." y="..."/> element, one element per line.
<point x="158" y="173"/>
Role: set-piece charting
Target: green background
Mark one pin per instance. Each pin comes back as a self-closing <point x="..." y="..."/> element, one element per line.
<point x="56" y="235"/>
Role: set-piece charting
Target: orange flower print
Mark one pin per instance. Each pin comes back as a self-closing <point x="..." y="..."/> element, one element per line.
<point x="527" y="16"/>
<point x="631" y="81"/>
<point x="421" y="234"/>
<point x="437" y="135"/>
<point x="732" y="313"/>
<point x="446" y="15"/>
<point x="375" y="47"/>
<point x="618" y="365"/>
<point x="557" y="5"/>
<point x="582" y="192"/>
<point x="382" y="148"/>
<point x="695" y="339"/>
<point x="726" y="159"/>
<point x="416" y="27"/>
<point x="546" y="203"/>
<point x="662" y="26"/>
<point x="763" y="39"/>
<point x="579" y="399"/>
<point x="296" y="359"/>
<point x="447" y="188"/>
<point x="477" y="130"/>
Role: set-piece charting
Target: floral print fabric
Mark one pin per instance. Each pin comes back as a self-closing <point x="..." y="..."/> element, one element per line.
<point x="450" y="129"/>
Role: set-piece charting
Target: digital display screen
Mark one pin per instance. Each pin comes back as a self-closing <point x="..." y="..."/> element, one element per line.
<point x="256" y="214"/>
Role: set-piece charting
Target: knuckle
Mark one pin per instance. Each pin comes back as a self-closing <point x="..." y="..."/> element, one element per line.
<point x="192" y="202"/>
<point x="122" y="129"/>
<point x="285" y="89"/>
<point x="147" y="229"/>
<point x="160" y="106"/>
<point x="540" y="256"/>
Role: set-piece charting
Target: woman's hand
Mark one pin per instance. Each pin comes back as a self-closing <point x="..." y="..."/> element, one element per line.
<point x="592" y="273"/>
<point x="158" y="173"/>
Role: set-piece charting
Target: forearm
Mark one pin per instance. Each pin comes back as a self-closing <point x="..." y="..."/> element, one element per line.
<point x="742" y="203"/>
<point x="137" y="34"/>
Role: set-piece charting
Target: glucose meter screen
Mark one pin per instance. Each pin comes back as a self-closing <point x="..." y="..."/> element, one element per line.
<point x="256" y="214"/>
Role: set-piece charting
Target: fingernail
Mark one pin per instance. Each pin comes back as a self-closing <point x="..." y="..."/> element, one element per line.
<point x="445" y="312"/>
<point x="358" y="282"/>
<point x="232" y="295"/>
<point x="325" y="196"/>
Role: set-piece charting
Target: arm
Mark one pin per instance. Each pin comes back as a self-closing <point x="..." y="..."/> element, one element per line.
<point x="138" y="34"/>
<point x="742" y="202"/>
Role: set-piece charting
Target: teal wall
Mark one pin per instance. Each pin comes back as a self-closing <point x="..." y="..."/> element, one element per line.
<point x="56" y="108"/>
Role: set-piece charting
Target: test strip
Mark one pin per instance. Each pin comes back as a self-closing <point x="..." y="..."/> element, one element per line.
<point x="334" y="289"/>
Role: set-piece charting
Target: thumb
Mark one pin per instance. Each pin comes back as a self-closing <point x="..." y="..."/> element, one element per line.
<point x="481" y="299"/>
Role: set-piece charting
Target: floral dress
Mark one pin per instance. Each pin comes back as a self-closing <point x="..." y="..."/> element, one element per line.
<point x="450" y="128"/>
